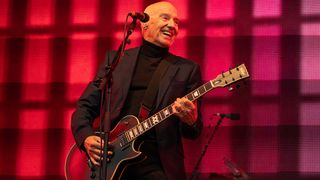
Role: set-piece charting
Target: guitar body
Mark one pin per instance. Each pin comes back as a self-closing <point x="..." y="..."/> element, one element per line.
<point x="77" y="166"/>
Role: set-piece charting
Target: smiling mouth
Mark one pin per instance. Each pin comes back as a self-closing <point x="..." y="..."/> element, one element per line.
<point x="168" y="33"/>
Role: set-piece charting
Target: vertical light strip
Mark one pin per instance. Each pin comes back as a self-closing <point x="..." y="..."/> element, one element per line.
<point x="264" y="151"/>
<point x="85" y="11"/>
<point x="266" y="60"/>
<point x="30" y="155"/>
<point x="4" y="13"/>
<point x="310" y="7"/>
<point x="309" y="145"/>
<point x="40" y="13"/>
<point x="310" y="114"/>
<point x="37" y="68"/>
<point x="3" y="66"/>
<point x="310" y="58"/>
<point x="218" y="51"/>
<point x="267" y="8"/>
<point x="124" y="7"/>
<point x="81" y="64"/>
<point x="33" y="119"/>
<point x="220" y="9"/>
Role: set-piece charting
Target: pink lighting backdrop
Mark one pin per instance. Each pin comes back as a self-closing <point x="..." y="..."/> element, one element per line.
<point x="50" y="49"/>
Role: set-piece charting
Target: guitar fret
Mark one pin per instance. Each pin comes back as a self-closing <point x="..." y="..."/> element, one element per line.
<point x="127" y="136"/>
<point x="140" y="128"/>
<point x="170" y="109"/>
<point x="166" y="112"/>
<point x="208" y="86"/>
<point x="195" y="94"/>
<point x="189" y="97"/>
<point x="131" y="134"/>
<point x="145" y="125"/>
<point x="150" y="122"/>
<point x="155" y="119"/>
<point x="162" y="116"/>
<point x="135" y="131"/>
<point x="202" y="90"/>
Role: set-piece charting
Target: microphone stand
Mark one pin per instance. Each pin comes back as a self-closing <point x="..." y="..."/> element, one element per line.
<point x="105" y="86"/>
<point x="195" y="173"/>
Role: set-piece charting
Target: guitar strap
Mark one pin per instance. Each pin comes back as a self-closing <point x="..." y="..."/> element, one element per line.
<point x="152" y="90"/>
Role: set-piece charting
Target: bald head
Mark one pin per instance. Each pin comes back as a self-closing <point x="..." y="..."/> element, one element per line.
<point x="162" y="28"/>
<point x="155" y="8"/>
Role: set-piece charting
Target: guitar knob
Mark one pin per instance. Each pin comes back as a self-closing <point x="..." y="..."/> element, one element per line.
<point x="230" y="88"/>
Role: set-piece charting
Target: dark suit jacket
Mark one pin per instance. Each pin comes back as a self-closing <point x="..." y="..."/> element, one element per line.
<point x="181" y="77"/>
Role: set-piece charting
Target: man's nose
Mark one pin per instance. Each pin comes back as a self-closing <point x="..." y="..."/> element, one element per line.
<point x="171" y="23"/>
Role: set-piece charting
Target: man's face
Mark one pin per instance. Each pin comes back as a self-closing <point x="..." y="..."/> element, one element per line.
<point x="162" y="27"/>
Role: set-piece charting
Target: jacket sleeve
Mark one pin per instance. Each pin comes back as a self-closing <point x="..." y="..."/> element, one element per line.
<point x="87" y="110"/>
<point x="194" y="130"/>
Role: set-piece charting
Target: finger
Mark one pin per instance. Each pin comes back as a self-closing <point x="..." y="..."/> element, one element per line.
<point x="188" y="104"/>
<point x="98" y="140"/>
<point x="96" y="151"/>
<point x="96" y="163"/>
<point x="178" y="109"/>
<point x="96" y="146"/>
<point x="97" y="158"/>
<point x="110" y="153"/>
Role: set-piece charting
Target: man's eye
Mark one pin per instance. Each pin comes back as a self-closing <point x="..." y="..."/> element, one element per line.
<point x="165" y="18"/>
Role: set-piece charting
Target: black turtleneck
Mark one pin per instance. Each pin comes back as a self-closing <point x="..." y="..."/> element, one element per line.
<point x="148" y="60"/>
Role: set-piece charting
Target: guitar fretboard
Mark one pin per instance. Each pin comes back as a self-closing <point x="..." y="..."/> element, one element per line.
<point x="163" y="114"/>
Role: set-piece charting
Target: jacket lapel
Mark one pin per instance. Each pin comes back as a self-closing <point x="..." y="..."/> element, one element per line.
<point x="124" y="72"/>
<point x="167" y="78"/>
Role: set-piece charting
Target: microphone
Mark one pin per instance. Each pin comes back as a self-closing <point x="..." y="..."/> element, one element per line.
<point x="231" y="116"/>
<point x="143" y="17"/>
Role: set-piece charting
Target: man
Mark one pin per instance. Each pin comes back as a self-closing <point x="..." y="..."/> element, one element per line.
<point x="162" y="145"/>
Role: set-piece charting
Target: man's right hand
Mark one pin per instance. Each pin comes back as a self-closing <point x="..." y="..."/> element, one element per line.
<point x="93" y="145"/>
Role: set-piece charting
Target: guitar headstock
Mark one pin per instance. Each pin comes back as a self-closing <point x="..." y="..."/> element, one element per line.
<point x="231" y="76"/>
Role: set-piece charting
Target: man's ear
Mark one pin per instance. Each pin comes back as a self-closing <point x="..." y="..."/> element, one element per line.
<point x="144" y="26"/>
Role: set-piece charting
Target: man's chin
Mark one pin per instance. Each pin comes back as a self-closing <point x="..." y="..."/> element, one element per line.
<point x="166" y="43"/>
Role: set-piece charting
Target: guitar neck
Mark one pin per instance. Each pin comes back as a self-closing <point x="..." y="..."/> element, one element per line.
<point x="166" y="112"/>
<point x="222" y="80"/>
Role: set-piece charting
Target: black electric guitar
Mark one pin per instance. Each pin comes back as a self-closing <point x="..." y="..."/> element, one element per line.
<point x="123" y="137"/>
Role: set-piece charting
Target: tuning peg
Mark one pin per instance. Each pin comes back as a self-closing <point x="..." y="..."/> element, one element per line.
<point x="222" y="74"/>
<point x="230" y="71"/>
